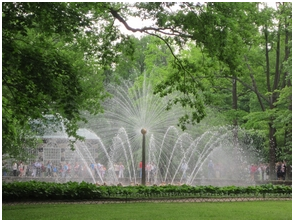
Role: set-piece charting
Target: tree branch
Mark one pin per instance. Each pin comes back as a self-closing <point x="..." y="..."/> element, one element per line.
<point x="162" y="31"/>
<point x="145" y="29"/>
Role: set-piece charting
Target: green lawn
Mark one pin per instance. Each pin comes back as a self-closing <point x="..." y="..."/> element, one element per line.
<point x="256" y="210"/>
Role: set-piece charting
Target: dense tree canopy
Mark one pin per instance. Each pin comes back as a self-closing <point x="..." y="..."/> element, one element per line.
<point x="233" y="58"/>
<point x="53" y="57"/>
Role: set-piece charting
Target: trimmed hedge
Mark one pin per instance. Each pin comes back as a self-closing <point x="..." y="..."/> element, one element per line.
<point x="38" y="191"/>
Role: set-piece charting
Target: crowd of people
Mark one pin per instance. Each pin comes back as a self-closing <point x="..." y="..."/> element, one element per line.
<point x="261" y="171"/>
<point x="65" y="169"/>
<point x="39" y="169"/>
<point x="256" y="172"/>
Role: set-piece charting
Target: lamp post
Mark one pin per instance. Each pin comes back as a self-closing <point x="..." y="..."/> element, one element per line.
<point x="143" y="131"/>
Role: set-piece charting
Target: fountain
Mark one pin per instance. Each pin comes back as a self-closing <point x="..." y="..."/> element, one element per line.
<point x="172" y="156"/>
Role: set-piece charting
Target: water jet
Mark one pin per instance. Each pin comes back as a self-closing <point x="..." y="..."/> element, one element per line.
<point x="169" y="155"/>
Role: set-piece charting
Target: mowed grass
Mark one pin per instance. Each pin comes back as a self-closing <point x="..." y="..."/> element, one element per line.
<point x="255" y="210"/>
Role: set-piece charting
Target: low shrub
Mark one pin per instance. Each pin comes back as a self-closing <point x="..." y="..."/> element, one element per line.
<point x="38" y="191"/>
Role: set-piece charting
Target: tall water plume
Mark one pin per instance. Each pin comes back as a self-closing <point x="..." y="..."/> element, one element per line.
<point x="172" y="156"/>
<point x="178" y="157"/>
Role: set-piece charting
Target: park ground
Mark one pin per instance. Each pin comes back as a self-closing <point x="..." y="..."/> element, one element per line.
<point x="250" y="210"/>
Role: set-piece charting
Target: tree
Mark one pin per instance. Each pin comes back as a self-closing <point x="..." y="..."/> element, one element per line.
<point x="268" y="87"/>
<point x="52" y="62"/>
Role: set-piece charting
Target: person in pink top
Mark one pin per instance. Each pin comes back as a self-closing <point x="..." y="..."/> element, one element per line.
<point x="253" y="169"/>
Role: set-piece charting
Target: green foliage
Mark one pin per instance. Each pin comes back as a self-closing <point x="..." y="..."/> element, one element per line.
<point x="283" y="114"/>
<point x="52" y="62"/>
<point x="33" y="190"/>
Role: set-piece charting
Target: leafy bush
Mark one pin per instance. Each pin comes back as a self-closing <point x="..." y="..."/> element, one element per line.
<point x="34" y="190"/>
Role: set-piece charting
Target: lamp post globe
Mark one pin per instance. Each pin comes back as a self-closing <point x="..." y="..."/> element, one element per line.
<point x="143" y="131"/>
